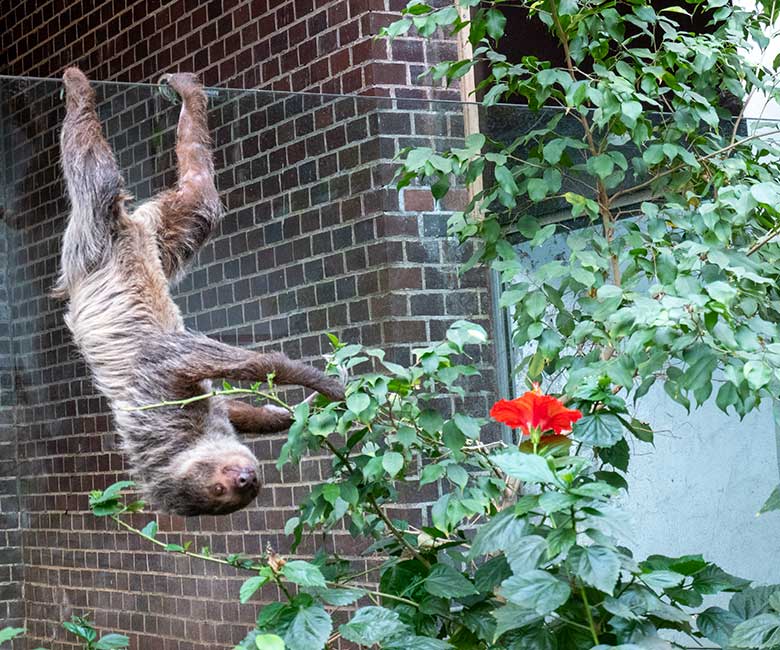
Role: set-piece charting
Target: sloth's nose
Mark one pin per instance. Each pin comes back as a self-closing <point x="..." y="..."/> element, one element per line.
<point x="246" y="478"/>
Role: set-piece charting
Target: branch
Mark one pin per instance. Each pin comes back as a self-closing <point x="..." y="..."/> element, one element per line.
<point x="256" y="567"/>
<point x="181" y="403"/>
<point x="396" y="533"/>
<point x="650" y="181"/>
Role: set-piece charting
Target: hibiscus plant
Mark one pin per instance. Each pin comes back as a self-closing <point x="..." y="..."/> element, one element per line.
<point x="667" y="209"/>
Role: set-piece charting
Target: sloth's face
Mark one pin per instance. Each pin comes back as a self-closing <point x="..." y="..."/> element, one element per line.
<point x="217" y="485"/>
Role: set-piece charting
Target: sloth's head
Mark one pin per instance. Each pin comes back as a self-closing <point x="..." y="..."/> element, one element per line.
<point x="216" y="477"/>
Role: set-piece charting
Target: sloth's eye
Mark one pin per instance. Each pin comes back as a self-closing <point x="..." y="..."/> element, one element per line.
<point x="218" y="489"/>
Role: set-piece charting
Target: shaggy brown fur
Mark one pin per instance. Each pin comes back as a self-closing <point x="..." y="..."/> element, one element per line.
<point x="116" y="270"/>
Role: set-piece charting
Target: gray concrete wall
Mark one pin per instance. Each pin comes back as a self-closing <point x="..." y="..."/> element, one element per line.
<point x="699" y="488"/>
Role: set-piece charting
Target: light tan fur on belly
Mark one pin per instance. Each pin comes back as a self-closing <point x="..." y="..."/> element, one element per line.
<point x="115" y="308"/>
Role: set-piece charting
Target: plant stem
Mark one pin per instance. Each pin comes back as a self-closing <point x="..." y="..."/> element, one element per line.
<point x="671" y="170"/>
<point x="214" y="393"/>
<point x="256" y="567"/>
<point x="397" y="533"/>
<point x="588" y="614"/>
<point x="161" y="544"/>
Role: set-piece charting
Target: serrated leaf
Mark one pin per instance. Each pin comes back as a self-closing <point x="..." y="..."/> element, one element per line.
<point x="339" y="597"/>
<point x="416" y="643"/>
<point x="303" y="573"/>
<point x="525" y="467"/>
<point x="250" y="586"/>
<point x="717" y="624"/>
<point x="502" y="531"/>
<point x="713" y="580"/>
<point x="491" y="573"/>
<point x="752" y="601"/>
<point x="447" y="582"/>
<point x="762" y="631"/>
<point x="372" y="625"/>
<point x="309" y="630"/>
<point x="598" y="566"/>
<point x="598" y="430"/>
<point x="537" y="590"/>
<point x="526" y="554"/>
<point x="511" y="617"/>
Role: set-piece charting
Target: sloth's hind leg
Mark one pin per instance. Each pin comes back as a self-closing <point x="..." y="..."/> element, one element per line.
<point x="95" y="185"/>
<point x="190" y="211"/>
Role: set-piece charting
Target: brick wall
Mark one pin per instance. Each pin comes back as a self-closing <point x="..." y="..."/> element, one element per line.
<point x="315" y="240"/>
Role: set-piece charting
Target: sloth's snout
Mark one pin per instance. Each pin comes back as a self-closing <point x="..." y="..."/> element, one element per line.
<point x="246" y="478"/>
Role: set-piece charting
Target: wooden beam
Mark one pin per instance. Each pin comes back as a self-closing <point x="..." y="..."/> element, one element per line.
<point x="467" y="87"/>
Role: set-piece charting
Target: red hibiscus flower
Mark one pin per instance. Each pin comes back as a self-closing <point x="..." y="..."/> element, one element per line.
<point x="535" y="411"/>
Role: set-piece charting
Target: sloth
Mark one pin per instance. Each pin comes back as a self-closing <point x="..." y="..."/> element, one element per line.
<point x="116" y="271"/>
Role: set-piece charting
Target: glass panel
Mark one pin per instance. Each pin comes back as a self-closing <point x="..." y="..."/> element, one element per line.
<point x="315" y="238"/>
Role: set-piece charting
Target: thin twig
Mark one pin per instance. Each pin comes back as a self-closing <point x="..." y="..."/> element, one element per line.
<point x="671" y="170"/>
<point x="181" y="403"/>
<point x="396" y="533"/>
<point x="256" y="567"/>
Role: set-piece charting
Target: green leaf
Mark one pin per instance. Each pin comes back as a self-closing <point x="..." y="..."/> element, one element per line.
<point x="250" y="586"/>
<point x="112" y="641"/>
<point x="752" y="601"/>
<point x="447" y="582"/>
<point x="537" y="189"/>
<point x="468" y="425"/>
<point x="150" y="530"/>
<point x="431" y="421"/>
<point x="491" y="573"/>
<point x="762" y="631"/>
<point x="113" y="491"/>
<point x="662" y="579"/>
<point x="601" y="165"/>
<point x="526" y="554"/>
<point x="717" y="624"/>
<point x="358" y="402"/>
<point x="525" y="467"/>
<point x="372" y="625"/>
<point x="495" y="22"/>
<point x="772" y="503"/>
<point x="303" y="573"/>
<point x="757" y="373"/>
<point x="713" y="580"/>
<point x="537" y="590"/>
<point x="721" y="292"/>
<point x="766" y="193"/>
<point x="392" y="462"/>
<point x="309" y="630"/>
<point x="598" y="430"/>
<point x="416" y="643"/>
<point x="512" y="617"/>
<point x="631" y="111"/>
<point x="505" y="180"/>
<point x="432" y="473"/>
<point x="501" y="532"/>
<point x="8" y="633"/>
<point x="269" y="642"/>
<point x="598" y="566"/>
<point x="339" y="597"/>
